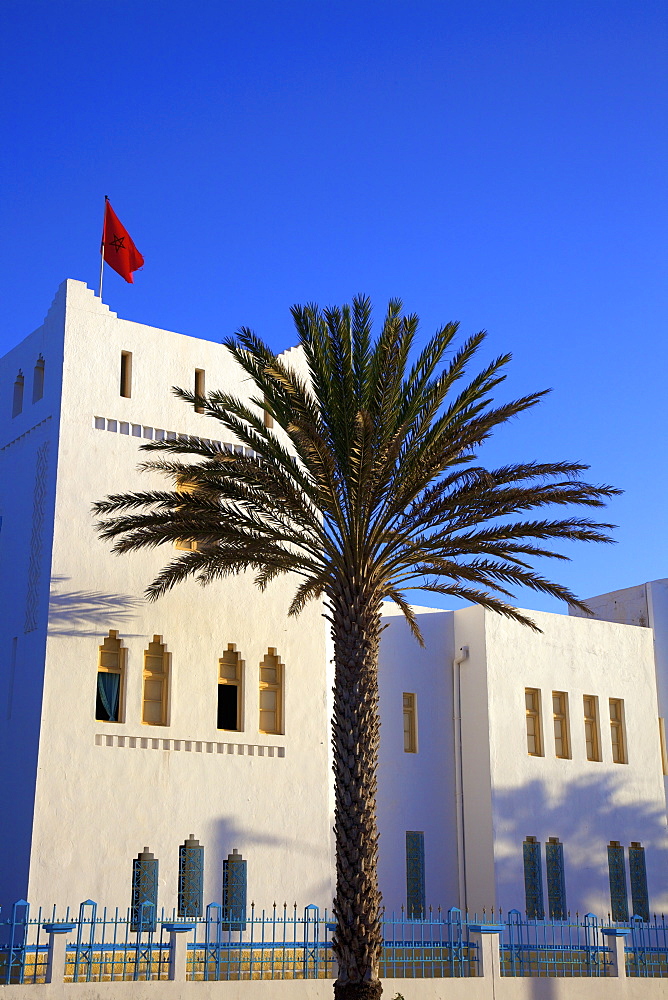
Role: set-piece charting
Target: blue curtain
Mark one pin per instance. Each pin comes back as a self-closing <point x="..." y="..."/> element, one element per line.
<point x="108" y="689"/>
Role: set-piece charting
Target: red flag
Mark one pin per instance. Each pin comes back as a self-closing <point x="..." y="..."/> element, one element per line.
<point x="117" y="247"/>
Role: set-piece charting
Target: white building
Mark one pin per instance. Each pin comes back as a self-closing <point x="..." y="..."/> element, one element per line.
<point x="550" y="737"/>
<point x="219" y="703"/>
<point x="81" y="797"/>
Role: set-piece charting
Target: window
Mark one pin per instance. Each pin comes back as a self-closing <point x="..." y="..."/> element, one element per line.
<point x="191" y="878"/>
<point x="199" y="387"/>
<point x="556" y="885"/>
<point x="38" y="380"/>
<point x="110" y="676"/>
<point x="187" y="544"/>
<point x="126" y="374"/>
<point x="560" y="716"/>
<point x="617" y="734"/>
<point x="230" y="668"/>
<point x="533" y="879"/>
<point x="534" y="733"/>
<point x="17" y="401"/>
<point x="271" y="694"/>
<point x="592" y="728"/>
<point x="410" y="723"/>
<point x="156" y="683"/>
<point x="662" y="740"/>
<point x="638" y="873"/>
<point x="415" y="894"/>
<point x="268" y="419"/>
<point x="619" y="902"/>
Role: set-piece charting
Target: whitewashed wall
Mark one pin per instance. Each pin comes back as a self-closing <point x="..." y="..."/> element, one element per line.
<point x="28" y="456"/>
<point x="98" y="805"/>
<point x="508" y="794"/>
<point x="586" y="804"/>
<point x="645" y="604"/>
<point x="415" y="790"/>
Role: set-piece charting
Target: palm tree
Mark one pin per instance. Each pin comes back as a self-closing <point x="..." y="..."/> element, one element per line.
<point x="368" y="488"/>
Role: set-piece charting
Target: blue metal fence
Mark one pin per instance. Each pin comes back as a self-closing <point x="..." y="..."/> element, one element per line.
<point x="291" y="943"/>
<point x="274" y="944"/>
<point x="553" y="947"/>
<point x="435" y="946"/>
<point x="647" y="948"/>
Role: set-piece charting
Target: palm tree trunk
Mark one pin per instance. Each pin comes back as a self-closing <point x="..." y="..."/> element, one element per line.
<point x="355" y="739"/>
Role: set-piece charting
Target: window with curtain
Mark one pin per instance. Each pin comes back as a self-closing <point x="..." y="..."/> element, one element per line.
<point x="110" y="676"/>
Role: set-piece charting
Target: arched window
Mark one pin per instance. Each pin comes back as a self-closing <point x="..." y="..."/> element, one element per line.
<point x="271" y="693"/>
<point x="17" y="401"/>
<point x="230" y="684"/>
<point x="38" y="380"/>
<point x="156" y="683"/>
<point x="109" y="698"/>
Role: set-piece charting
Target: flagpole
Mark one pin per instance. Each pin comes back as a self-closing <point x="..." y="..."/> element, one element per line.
<point x="106" y="199"/>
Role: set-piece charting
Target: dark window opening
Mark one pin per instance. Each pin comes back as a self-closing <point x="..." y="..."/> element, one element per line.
<point x="38" y="380"/>
<point x="126" y="374"/>
<point x="17" y="401"/>
<point x="199" y="388"/>
<point x="228" y="713"/>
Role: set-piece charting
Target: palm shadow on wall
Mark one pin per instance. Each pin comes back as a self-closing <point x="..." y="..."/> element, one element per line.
<point x="78" y="613"/>
<point x="585" y="815"/>
<point x="224" y="834"/>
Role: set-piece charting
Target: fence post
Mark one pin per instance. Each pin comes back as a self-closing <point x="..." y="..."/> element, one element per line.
<point x="178" y="950"/>
<point x="55" y="960"/>
<point x="615" y="939"/>
<point x="488" y="939"/>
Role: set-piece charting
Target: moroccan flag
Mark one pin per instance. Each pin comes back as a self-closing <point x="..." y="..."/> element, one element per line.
<point x="117" y="247"/>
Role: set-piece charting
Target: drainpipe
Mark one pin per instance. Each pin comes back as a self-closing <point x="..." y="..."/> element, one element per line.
<point x="462" y="655"/>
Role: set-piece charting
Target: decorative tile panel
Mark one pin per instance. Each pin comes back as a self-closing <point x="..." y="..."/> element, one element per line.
<point x="638" y="873"/>
<point x="191" y="878"/>
<point x="556" y="886"/>
<point x="415" y="892"/>
<point x="533" y="881"/>
<point x="619" y="902"/>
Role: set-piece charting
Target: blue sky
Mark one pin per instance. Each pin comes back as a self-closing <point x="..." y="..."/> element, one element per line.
<point x="499" y="163"/>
